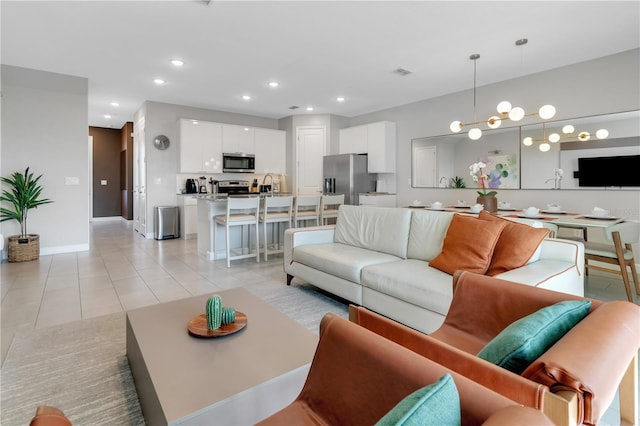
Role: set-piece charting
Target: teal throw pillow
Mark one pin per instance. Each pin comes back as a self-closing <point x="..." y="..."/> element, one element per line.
<point x="527" y="339"/>
<point x="436" y="404"/>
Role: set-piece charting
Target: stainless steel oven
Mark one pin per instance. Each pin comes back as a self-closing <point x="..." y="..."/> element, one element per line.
<point x="238" y="162"/>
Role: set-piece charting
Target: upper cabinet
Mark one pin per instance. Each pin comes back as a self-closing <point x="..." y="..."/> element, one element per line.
<point x="378" y="140"/>
<point x="200" y="146"/>
<point x="238" y="139"/>
<point x="270" y="151"/>
<point x="353" y="140"/>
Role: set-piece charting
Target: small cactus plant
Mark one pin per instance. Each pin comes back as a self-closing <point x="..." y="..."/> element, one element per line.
<point x="214" y="312"/>
<point x="228" y="315"/>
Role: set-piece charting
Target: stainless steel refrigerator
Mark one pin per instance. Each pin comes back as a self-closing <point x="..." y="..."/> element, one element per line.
<point x="347" y="174"/>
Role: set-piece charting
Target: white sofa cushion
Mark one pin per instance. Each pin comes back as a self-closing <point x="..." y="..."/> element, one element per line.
<point x="381" y="229"/>
<point x="341" y="260"/>
<point x="412" y="281"/>
<point x="426" y="234"/>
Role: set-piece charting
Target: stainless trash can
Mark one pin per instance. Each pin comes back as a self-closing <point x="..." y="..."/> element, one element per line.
<point x="166" y="222"/>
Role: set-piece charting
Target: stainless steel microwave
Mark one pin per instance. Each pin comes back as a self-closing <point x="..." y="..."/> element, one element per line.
<point x="238" y="162"/>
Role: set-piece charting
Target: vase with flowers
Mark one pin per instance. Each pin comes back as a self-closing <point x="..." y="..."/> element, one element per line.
<point x="487" y="198"/>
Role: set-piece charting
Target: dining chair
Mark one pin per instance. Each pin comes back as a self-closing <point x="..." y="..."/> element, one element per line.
<point x="276" y="210"/>
<point x="620" y="253"/>
<point x="240" y="212"/>
<point x="329" y="205"/>
<point x="306" y="208"/>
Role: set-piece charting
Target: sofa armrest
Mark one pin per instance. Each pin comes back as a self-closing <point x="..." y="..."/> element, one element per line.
<point x="593" y="358"/>
<point x="511" y="385"/>
<point x="294" y="237"/>
<point x="356" y="377"/>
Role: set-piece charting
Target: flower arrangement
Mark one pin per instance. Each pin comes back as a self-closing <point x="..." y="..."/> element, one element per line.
<point x="475" y="170"/>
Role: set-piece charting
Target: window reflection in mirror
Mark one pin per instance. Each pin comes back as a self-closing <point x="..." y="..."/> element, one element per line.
<point x="443" y="161"/>
<point x="557" y="168"/>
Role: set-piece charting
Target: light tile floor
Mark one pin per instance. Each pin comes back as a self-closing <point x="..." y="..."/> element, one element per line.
<point x="123" y="271"/>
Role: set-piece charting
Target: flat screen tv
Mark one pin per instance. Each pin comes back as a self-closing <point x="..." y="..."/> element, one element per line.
<point x="621" y="170"/>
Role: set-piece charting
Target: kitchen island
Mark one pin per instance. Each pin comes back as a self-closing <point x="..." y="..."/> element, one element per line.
<point x="212" y="205"/>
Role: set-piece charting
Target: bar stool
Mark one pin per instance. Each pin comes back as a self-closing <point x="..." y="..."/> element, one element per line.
<point x="276" y="210"/>
<point x="306" y="208"/>
<point x="240" y="212"/>
<point x="329" y="205"/>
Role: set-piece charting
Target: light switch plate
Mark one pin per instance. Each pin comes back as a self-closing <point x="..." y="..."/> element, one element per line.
<point x="103" y="182"/>
<point x="72" y="180"/>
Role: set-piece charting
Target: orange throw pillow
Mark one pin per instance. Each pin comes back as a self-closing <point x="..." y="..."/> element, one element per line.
<point x="468" y="245"/>
<point x="516" y="244"/>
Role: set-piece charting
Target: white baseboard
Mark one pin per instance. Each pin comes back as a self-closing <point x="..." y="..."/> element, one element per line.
<point x="106" y="219"/>
<point x="44" y="251"/>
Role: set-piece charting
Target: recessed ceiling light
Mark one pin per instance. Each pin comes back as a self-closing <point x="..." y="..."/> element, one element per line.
<point x="177" y="62"/>
<point x="309" y="108"/>
<point x="246" y="97"/>
<point x="107" y="116"/>
<point x="274" y="84"/>
<point x="194" y="121"/>
<point x="340" y="99"/>
<point x="115" y="104"/>
<point x="158" y="81"/>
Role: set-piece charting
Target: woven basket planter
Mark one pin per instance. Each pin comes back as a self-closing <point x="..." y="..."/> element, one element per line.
<point x="23" y="249"/>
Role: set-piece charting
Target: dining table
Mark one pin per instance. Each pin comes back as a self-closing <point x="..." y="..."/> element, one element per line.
<point x="563" y="219"/>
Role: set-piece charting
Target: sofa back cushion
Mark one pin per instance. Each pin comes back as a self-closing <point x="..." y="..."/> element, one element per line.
<point x="517" y="244"/>
<point x="375" y="228"/>
<point x="468" y="245"/>
<point x="427" y="232"/>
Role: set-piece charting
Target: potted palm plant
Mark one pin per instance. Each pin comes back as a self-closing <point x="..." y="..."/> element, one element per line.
<point x="23" y="194"/>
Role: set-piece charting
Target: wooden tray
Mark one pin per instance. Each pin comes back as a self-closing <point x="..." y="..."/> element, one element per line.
<point x="198" y="326"/>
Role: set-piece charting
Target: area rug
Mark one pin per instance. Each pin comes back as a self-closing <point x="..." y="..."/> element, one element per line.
<point x="82" y="368"/>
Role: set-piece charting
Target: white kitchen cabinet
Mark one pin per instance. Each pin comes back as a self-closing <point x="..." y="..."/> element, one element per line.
<point x="270" y="151"/>
<point x="378" y="200"/>
<point x="200" y="146"/>
<point x="353" y="140"/>
<point x="238" y="139"/>
<point x="378" y="140"/>
<point x="381" y="147"/>
<point x="188" y="207"/>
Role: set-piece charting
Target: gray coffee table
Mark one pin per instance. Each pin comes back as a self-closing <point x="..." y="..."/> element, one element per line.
<point x="232" y="380"/>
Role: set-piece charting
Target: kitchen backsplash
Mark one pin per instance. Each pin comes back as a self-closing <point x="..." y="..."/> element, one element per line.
<point x="181" y="179"/>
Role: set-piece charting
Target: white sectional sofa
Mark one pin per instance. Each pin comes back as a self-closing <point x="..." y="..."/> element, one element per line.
<point x="379" y="258"/>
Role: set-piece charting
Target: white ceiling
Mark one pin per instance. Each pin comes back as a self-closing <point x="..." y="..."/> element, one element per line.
<point x="316" y="50"/>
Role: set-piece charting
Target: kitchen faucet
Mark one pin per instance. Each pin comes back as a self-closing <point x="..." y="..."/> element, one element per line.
<point x="264" y="179"/>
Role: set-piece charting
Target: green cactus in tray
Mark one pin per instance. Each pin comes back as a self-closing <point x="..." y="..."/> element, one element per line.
<point x="214" y="312"/>
<point x="217" y="315"/>
<point x="228" y="315"/>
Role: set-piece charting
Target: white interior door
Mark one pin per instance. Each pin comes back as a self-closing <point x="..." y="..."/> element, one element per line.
<point x="310" y="148"/>
<point x="90" y="178"/>
<point x="424" y="167"/>
<point x="139" y="180"/>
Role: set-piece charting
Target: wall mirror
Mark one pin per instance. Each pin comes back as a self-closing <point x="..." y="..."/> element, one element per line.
<point x="610" y="135"/>
<point x="443" y="161"/>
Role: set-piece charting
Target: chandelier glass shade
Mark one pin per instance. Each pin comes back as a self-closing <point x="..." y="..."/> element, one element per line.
<point x="505" y="110"/>
<point x="567" y="133"/>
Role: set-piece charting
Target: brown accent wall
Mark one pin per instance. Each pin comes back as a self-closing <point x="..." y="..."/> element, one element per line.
<point x="106" y="166"/>
<point x="126" y="171"/>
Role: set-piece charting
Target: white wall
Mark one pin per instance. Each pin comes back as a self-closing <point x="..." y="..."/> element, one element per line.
<point x="599" y="86"/>
<point x="45" y="127"/>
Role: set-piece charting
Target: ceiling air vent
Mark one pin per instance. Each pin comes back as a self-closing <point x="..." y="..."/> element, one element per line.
<point x="294" y="107"/>
<point x="402" y="72"/>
